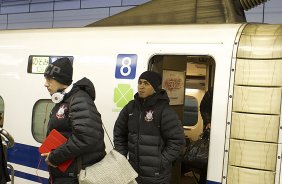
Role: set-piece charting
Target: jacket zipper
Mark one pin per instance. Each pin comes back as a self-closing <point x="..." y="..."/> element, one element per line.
<point x="138" y="137"/>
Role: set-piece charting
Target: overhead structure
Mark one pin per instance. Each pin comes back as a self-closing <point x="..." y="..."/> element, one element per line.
<point x="249" y="4"/>
<point x="182" y="12"/>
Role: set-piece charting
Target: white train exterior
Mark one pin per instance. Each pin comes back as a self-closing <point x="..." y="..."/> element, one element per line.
<point x="245" y="142"/>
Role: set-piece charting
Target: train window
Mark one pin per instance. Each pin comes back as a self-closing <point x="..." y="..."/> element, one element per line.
<point x="40" y="119"/>
<point x="37" y="64"/>
<point x="190" y="116"/>
<point x="1" y="111"/>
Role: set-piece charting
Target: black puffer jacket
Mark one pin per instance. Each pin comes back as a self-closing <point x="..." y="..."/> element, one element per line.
<point x="78" y="119"/>
<point x="206" y="107"/>
<point x="4" y="175"/>
<point x="152" y="146"/>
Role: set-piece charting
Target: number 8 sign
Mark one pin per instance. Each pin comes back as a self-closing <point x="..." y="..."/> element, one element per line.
<point x="126" y="66"/>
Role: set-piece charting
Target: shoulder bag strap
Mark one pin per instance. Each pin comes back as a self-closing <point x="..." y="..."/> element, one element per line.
<point x="107" y="134"/>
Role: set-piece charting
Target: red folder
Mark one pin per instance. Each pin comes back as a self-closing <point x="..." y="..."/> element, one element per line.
<point x="52" y="141"/>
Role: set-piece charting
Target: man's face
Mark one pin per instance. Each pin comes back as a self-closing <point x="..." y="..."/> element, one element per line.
<point x="52" y="85"/>
<point x="145" y="89"/>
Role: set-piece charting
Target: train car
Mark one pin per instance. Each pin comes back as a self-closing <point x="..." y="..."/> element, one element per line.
<point x="241" y="62"/>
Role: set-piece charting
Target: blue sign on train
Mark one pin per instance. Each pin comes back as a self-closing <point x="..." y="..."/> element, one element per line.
<point x="126" y="66"/>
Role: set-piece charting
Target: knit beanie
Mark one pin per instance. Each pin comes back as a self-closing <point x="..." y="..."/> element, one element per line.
<point x="153" y="78"/>
<point x="60" y="70"/>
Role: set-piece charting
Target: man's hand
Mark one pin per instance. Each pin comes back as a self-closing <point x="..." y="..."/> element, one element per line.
<point x="208" y="126"/>
<point x="47" y="160"/>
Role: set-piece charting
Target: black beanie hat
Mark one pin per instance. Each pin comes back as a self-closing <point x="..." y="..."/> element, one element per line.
<point x="60" y="70"/>
<point x="153" y="78"/>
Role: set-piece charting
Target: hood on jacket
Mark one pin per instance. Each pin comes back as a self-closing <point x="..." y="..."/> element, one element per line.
<point x="160" y="95"/>
<point x="85" y="85"/>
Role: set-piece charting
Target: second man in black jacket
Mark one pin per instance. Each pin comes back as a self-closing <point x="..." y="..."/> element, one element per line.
<point x="149" y="132"/>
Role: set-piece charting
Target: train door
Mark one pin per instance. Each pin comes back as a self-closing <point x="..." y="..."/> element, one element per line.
<point x="186" y="80"/>
<point x="1" y="112"/>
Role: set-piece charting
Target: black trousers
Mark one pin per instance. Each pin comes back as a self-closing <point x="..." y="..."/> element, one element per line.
<point x="203" y="176"/>
<point x="69" y="180"/>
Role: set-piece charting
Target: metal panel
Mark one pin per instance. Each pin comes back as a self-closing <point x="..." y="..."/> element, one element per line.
<point x="133" y="2"/>
<point x="259" y="72"/>
<point x="34" y="20"/>
<point x="237" y="175"/>
<point x="3" y="21"/>
<point x="99" y="3"/>
<point x="21" y="8"/>
<point x="261" y="42"/>
<point x="116" y="10"/>
<point x="78" y="18"/>
<point x="257" y="155"/>
<point x="252" y="149"/>
<point x="255" y="127"/>
<point x="263" y="100"/>
<point x="36" y="7"/>
<point x="263" y="30"/>
<point x="67" y="5"/>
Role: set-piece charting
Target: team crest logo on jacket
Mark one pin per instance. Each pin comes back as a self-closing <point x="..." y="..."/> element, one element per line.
<point x="61" y="112"/>
<point x="149" y="116"/>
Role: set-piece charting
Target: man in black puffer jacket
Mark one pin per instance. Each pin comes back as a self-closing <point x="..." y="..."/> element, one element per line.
<point x="149" y="131"/>
<point x="4" y="175"/>
<point x="76" y="117"/>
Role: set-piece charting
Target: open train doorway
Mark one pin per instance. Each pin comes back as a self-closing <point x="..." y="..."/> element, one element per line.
<point x="186" y="79"/>
<point x="1" y="112"/>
